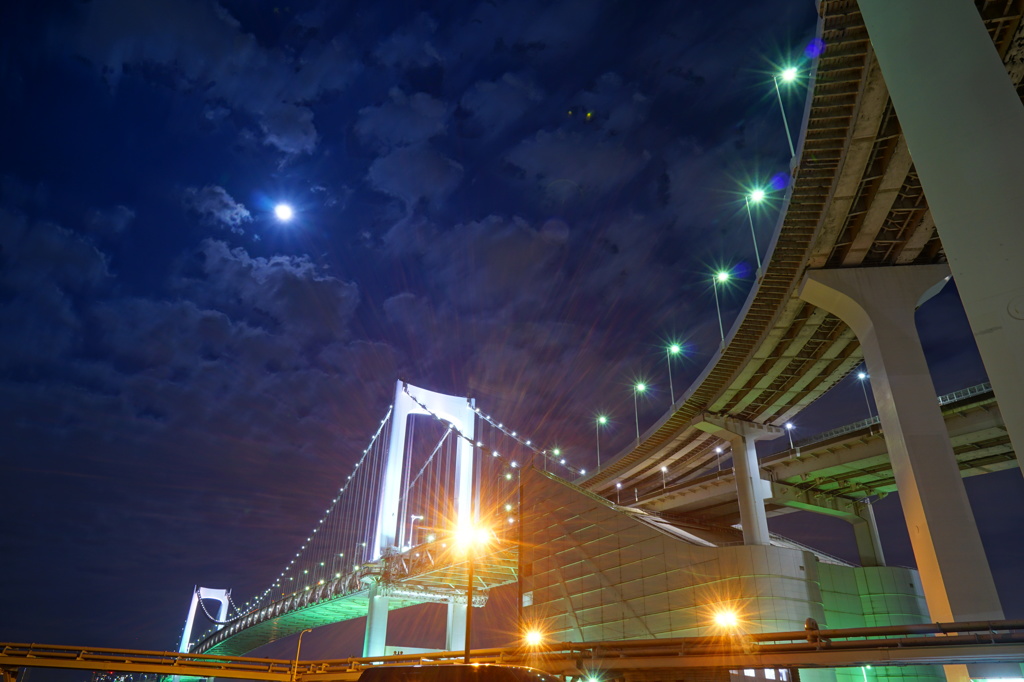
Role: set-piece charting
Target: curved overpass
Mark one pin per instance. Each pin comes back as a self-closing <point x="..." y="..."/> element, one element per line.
<point x="854" y="201"/>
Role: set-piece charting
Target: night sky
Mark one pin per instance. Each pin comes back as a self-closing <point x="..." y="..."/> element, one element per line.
<point x="517" y="201"/>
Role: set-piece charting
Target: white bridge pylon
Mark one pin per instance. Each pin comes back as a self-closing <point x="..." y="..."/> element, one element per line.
<point x="222" y="612"/>
<point x="460" y="413"/>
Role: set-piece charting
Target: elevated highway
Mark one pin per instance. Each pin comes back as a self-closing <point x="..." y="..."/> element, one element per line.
<point x="855" y="200"/>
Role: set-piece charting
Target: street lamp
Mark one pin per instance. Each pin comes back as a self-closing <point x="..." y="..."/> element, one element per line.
<point x="757" y="196"/>
<point x="638" y="387"/>
<point x="618" y="488"/>
<point x="789" y="432"/>
<point x="413" y="518"/>
<point x="598" y="423"/>
<point x="863" y="376"/>
<point x="469" y="538"/>
<point x="721" y="277"/>
<point x="673" y="349"/>
<point x="664" y="470"/>
<point x="787" y="75"/>
<point x="298" y="648"/>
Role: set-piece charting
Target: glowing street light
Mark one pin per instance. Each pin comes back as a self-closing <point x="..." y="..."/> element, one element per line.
<point x="534" y="638"/>
<point x="756" y="196"/>
<point x="721" y="277"/>
<point x="598" y="423"/>
<point x="618" y="489"/>
<point x="787" y="75"/>
<point x="672" y="349"/>
<point x="284" y="212"/>
<point x="726" y="619"/>
<point x="469" y="538"/>
<point x="789" y="432"/>
<point x="664" y="471"/>
<point x="638" y="387"/>
<point x="863" y="376"/>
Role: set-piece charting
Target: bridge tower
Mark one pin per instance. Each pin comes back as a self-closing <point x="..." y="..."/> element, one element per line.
<point x="222" y="612"/>
<point x="459" y="412"/>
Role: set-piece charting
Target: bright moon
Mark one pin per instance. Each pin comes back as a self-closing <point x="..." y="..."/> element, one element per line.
<point x="284" y="212"/>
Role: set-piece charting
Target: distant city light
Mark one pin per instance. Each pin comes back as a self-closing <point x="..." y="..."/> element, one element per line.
<point x="284" y="212"/>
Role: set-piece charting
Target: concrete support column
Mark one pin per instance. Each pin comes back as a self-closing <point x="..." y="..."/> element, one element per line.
<point x="751" y="489"/>
<point x="865" y="532"/>
<point x="879" y="304"/>
<point x="964" y="125"/>
<point x="375" y="638"/>
<point x="455" y="635"/>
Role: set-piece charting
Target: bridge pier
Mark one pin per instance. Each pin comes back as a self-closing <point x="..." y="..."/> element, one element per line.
<point x="455" y="633"/>
<point x="375" y="637"/>
<point x="963" y="122"/>
<point x="751" y="489"/>
<point x="879" y="305"/>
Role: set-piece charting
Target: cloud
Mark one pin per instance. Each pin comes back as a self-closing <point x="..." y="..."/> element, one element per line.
<point x="280" y="294"/>
<point x="574" y="164"/>
<point x="410" y="46"/>
<point x="216" y="207"/>
<point x="110" y="222"/>
<point x="199" y="45"/>
<point x="495" y="105"/>
<point x="402" y="120"/>
<point x="415" y="174"/>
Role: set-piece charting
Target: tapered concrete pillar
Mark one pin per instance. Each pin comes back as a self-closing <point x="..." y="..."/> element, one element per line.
<point x="375" y="637"/>
<point x="964" y="126"/>
<point x="879" y="305"/>
<point x="865" y="533"/>
<point x="751" y="489"/>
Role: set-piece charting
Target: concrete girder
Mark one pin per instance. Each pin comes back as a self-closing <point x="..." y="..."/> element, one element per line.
<point x="881" y="202"/>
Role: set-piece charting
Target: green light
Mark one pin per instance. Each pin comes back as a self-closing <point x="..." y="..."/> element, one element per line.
<point x="722" y="276"/>
<point x="789" y="75"/>
<point x="675" y="349"/>
<point x="641" y="387"/>
<point x="757" y="195"/>
<point x="602" y="420"/>
<point x="556" y="452"/>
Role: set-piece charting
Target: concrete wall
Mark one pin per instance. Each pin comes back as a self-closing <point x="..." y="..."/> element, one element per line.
<point x="593" y="572"/>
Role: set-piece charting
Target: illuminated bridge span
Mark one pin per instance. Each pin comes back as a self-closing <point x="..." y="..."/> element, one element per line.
<point x="857" y="249"/>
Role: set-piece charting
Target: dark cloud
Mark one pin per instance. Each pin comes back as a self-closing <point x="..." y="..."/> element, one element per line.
<point x="216" y="207"/>
<point x="416" y="174"/>
<point x="402" y="120"/>
<point x="110" y="222"/>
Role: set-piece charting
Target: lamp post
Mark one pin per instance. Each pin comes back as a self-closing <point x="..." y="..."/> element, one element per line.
<point x="863" y="376"/>
<point x="673" y="349"/>
<point x="720" y="277"/>
<point x="789" y="432"/>
<point x="757" y="196"/>
<point x="298" y="648"/>
<point x="638" y="388"/>
<point x="718" y="451"/>
<point x="664" y="470"/>
<point x="598" y="423"/>
<point x="469" y="538"/>
<point x="788" y="76"/>
<point x="413" y="518"/>
<point x="618" y="488"/>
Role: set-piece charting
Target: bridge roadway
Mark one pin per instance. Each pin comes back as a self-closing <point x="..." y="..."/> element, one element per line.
<point x="691" y="657"/>
<point x="855" y="201"/>
<point x="426" y="573"/>
<point x="832" y="472"/>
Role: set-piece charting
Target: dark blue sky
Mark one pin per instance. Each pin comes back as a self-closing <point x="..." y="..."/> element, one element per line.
<point x="516" y="201"/>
